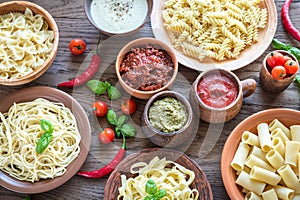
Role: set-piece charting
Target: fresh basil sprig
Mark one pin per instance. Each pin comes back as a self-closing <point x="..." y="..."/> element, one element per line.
<point x="122" y="128"/>
<point x="153" y="192"/>
<point x="47" y="136"/>
<point x="99" y="87"/>
<point x="287" y="47"/>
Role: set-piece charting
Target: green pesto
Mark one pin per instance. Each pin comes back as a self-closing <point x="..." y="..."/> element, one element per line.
<point x="168" y="115"/>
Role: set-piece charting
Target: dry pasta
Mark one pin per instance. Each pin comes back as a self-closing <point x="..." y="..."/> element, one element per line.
<point x="25" y="43"/>
<point x="272" y="172"/>
<point x="216" y="28"/>
<point x="20" y="130"/>
<point x="176" y="180"/>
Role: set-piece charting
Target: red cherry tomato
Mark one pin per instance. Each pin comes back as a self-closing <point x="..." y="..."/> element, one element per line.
<point x="291" y="67"/>
<point x="278" y="72"/>
<point x="77" y="46"/>
<point x="100" y="108"/>
<point x="106" y="136"/>
<point x="275" y="59"/>
<point x="128" y="106"/>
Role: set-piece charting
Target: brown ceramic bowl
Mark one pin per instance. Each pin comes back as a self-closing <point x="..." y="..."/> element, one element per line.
<point x="270" y="84"/>
<point x="287" y="116"/>
<point x="83" y="124"/>
<point x="20" y="6"/>
<point x="88" y="13"/>
<point x="114" y="181"/>
<point x="171" y="139"/>
<point x="142" y="43"/>
<point x="211" y="114"/>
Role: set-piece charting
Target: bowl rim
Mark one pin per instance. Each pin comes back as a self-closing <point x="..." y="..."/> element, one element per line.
<point x="226" y="170"/>
<point x="55" y="95"/>
<point x="177" y="96"/>
<point x="47" y="63"/>
<point x="134" y="44"/>
<point x="89" y="17"/>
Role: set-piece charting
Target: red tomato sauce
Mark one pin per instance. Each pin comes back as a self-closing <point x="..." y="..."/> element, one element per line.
<point x="217" y="90"/>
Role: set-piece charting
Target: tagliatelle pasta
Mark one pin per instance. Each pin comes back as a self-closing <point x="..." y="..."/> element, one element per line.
<point x="167" y="175"/>
<point x="219" y="29"/>
<point x="25" y="43"/>
<point x="272" y="172"/>
<point x="20" y="130"/>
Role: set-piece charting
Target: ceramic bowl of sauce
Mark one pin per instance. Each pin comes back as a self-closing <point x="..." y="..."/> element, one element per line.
<point x="168" y="119"/>
<point x="118" y="16"/>
<point x="146" y="66"/>
<point x="219" y="93"/>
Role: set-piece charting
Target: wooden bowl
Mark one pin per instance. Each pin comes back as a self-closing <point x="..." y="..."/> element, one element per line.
<point x="87" y="9"/>
<point x="114" y="181"/>
<point x="270" y="84"/>
<point x="171" y="139"/>
<point x="142" y="43"/>
<point x="20" y="6"/>
<point x="287" y="116"/>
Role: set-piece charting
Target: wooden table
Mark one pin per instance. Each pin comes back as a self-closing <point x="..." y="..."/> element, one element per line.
<point x="72" y="23"/>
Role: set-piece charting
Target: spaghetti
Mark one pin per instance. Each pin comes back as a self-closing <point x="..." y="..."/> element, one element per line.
<point x="20" y="130"/>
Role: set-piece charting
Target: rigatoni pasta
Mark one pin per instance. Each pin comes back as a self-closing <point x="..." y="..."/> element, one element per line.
<point x="273" y="165"/>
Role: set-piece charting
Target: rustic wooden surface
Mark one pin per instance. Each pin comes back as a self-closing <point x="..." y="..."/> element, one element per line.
<point x="72" y="23"/>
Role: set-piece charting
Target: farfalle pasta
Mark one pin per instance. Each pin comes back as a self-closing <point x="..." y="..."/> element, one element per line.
<point x="25" y="43"/>
<point x="219" y="29"/>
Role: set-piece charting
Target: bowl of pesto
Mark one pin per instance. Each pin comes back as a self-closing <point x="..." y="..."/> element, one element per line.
<point x="168" y="119"/>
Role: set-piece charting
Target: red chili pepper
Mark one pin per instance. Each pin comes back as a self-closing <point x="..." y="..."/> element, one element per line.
<point x="86" y="75"/>
<point x="108" y="168"/>
<point x="286" y="21"/>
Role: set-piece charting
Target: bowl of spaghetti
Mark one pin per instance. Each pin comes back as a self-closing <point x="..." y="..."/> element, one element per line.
<point x="24" y="169"/>
<point x="29" y="42"/>
<point x="172" y="171"/>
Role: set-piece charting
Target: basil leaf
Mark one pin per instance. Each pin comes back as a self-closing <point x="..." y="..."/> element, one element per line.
<point x="279" y="45"/>
<point x="118" y="131"/>
<point x="113" y="93"/>
<point x="160" y="194"/>
<point x="151" y="187"/>
<point x="111" y="117"/>
<point x="98" y="87"/>
<point x="296" y="52"/>
<point x="121" y="120"/>
<point x="43" y="142"/>
<point x="297" y="79"/>
<point x="128" y="130"/>
<point x="46" y="125"/>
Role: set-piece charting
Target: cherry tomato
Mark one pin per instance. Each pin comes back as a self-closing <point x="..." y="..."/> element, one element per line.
<point x="278" y="72"/>
<point x="128" y="106"/>
<point x="275" y="59"/>
<point x="291" y="67"/>
<point x="106" y="136"/>
<point x="100" y="108"/>
<point x="77" y="46"/>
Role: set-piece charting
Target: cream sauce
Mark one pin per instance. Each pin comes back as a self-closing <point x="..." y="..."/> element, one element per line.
<point x="119" y="16"/>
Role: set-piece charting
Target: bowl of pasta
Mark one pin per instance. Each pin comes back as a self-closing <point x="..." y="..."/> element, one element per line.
<point x="31" y="36"/>
<point x="146" y="66"/>
<point x="261" y="155"/>
<point x="167" y="168"/>
<point x="45" y="138"/>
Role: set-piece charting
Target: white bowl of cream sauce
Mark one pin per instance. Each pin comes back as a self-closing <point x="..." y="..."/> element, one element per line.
<point x="118" y="16"/>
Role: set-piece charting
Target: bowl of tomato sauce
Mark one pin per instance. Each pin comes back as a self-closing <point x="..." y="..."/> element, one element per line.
<point x="146" y="66"/>
<point x="219" y="93"/>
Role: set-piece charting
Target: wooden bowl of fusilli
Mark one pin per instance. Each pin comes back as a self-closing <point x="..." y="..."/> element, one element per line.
<point x="31" y="40"/>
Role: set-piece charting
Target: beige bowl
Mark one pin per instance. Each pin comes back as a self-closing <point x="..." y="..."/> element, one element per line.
<point x="170" y="139"/>
<point x="142" y="43"/>
<point x="87" y="9"/>
<point x="287" y="116"/>
<point x="270" y="84"/>
<point x="20" y="6"/>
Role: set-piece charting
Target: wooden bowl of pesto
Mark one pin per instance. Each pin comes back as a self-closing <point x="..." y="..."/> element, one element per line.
<point x="168" y="119"/>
